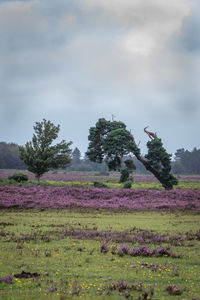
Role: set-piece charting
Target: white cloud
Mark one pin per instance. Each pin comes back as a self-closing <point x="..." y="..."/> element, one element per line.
<point x="143" y="26"/>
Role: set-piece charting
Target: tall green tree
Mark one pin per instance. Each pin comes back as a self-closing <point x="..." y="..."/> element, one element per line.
<point x="111" y="140"/>
<point x="40" y="155"/>
<point x="157" y="160"/>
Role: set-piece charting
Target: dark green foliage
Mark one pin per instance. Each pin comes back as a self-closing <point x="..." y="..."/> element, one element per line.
<point x="99" y="184"/>
<point x="187" y="162"/>
<point x="114" y="164"/>
<point x="130" y="164"/>
<point x="127" y="184"/>
<point x="99" y="139"/>
<point x="18" y="177"/>
<point x="40" y="155"/>
<point x="160" y="161"/>
<point x="124" y="175"/>
<point x="111" y="141"/>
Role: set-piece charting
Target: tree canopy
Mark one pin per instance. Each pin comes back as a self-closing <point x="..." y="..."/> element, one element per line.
<point x="40" y="155"/>
<point x="110" y="140"/>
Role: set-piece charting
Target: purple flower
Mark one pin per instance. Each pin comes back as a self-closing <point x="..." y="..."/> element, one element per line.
<point x="7" y="279"/>
<point x="123" y="249"/>
<point x="104" y="247"/>
<point x="174" y="290"/>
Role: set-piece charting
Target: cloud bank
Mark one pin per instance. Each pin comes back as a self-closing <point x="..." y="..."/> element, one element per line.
<point x="75" y="61"/>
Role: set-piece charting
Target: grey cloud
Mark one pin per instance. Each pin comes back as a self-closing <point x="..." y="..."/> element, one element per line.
<point x="72" y="63"/>
<point x="190" y="37"/>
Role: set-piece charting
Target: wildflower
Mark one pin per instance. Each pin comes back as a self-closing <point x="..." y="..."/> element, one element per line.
<point x="8" y="279"/>
<point x="104" y="247"/>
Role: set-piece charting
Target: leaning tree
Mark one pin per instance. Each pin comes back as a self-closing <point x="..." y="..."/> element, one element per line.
<point x="110" y="140"/>
<point x="40" y="155"/>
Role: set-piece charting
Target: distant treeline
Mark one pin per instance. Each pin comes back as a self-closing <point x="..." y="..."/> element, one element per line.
<point x="9" y="156"/>
<point x="184" y="162"/>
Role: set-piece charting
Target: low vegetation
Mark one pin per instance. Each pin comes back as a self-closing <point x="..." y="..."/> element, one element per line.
<point x="61" y="254"/>
<point x="70" y="238"/>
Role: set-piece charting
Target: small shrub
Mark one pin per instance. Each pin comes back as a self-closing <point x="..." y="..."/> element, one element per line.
<point x="127" y="185"/>
<point x="18" y="177"/>
<point x="99" y="184"/>
<point x="124" y="175"/>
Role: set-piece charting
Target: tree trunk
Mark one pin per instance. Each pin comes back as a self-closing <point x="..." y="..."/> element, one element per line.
<point x="153" y="171"/>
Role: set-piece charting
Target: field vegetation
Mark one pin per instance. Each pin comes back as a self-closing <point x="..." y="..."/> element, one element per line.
<point x="66" y="239"/>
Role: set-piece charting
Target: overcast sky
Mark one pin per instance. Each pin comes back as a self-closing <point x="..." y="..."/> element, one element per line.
<point x="75" y="61"/>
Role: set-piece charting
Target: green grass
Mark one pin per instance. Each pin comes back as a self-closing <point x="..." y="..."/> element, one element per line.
<point x="76" y="269"/>
<point x="190" y="184"/>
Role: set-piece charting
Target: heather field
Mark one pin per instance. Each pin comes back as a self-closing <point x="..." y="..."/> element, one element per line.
<point x="66" y="239"/>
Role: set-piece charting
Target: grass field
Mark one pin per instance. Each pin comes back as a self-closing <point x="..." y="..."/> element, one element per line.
<point x="99" y="253"/>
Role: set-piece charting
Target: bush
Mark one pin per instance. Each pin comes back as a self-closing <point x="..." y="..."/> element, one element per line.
<point x="127" y="185"/>
<point x="124" y="175"/>
<point x="99" y="184"/>
<point x="18" y="177"/>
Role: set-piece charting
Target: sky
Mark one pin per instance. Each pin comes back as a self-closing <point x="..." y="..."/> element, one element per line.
<point x="75" y="61"/>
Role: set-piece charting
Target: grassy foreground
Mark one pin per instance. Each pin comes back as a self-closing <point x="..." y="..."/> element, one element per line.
<point x="55" y="254"/>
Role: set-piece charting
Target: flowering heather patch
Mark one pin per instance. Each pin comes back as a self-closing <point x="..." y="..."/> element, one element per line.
<point x="98" y="198"/>
<point x="174" y="290"/>
<point x="104" y="248"/>
<point x="150" y="237"/>
<point x="125" y="288"/>
<point x="121" y="285"/>
<point x="7" y="279"/>
<point x="123" y="249"/>
<point x="144" y="251"/>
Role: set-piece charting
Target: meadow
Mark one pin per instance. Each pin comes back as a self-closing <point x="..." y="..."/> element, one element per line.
<point x="66" y="239"/>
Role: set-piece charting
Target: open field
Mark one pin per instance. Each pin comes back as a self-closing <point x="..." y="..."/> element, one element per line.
<point x="58" y="241"/>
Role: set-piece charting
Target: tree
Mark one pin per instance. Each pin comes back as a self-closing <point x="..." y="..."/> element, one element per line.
<point x="76" y="156"/>
<point x="157" y="161"/>
<point x="9" y="156"/>
<point x="111" y="140"/>
<point x="187" y="162"/>
<point x="40" y="155"/>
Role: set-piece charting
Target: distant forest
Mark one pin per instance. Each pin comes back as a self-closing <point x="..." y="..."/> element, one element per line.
<point x="184" y="161"/>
